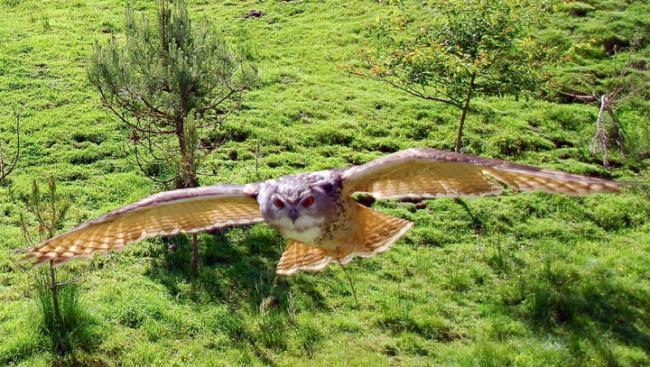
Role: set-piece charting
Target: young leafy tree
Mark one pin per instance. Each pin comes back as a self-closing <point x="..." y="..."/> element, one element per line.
<point x="465" y="48"/>
<point x="170" y="83"/>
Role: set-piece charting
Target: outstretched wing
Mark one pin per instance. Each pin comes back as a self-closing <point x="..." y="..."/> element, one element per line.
<point x="428" y="173"/>
<point x="167" y="213"/>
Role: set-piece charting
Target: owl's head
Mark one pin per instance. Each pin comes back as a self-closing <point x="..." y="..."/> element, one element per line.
<point x="301" y="201"/>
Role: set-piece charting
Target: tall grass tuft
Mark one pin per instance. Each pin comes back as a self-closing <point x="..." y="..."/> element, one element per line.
<point x="45" y="22"/>
<point x="61" y="321"/>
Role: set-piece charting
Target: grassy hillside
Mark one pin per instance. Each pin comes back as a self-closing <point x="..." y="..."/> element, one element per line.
<point x="530" y="279"/>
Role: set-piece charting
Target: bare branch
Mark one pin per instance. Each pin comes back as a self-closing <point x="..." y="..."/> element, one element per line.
<point x="218" y="102"/>
<point x="599" y="141"/>
<point x="144" y="171"/>
<point x="4" y="171"/>
<point x="415" y="93"/>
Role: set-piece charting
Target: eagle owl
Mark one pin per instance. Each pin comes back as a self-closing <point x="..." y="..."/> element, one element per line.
<point x="315" y="211"/>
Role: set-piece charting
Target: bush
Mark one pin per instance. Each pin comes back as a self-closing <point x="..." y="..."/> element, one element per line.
<point x="513" y="144"/>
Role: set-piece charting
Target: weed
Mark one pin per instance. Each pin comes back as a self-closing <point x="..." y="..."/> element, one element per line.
<point x="45" y="23"/>
<point x="272" y="331"/>
<point x="309" y="335"/>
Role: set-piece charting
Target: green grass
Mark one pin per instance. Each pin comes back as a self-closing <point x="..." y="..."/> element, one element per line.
<point x="531" y="279"/>
<point x="70" y="330"/>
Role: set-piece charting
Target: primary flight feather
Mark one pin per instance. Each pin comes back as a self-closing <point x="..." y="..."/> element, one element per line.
<point x="315" y="211"/>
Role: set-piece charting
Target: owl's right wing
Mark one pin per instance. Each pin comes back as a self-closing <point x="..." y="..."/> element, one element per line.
<point x="167" y="213"/>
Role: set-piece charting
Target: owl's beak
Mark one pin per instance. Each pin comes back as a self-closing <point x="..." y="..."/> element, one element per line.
<point x="293" y="214"/>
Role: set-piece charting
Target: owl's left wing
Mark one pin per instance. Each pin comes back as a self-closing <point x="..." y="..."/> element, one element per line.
<point x="428" y="173"/>
<point x="167" y="213"/>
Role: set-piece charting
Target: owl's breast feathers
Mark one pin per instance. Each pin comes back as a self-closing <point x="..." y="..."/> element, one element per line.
<point x="308" y="230"/>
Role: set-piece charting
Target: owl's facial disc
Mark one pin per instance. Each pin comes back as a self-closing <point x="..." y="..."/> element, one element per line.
<point x="293" y="208"/>
<point x="298" y="204"/>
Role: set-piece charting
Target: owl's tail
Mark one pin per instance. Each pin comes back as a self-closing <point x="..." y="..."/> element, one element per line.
<point x="375" y="233"/>
<point x="300" y="257"/>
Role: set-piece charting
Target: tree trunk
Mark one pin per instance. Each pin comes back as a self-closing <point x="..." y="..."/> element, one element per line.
<point x="461" y="123"/>
<point x="187" y="175"/>
<point x="195" y="254"/>
<point x="187" y="179"/>
<point x="55" y="294"/>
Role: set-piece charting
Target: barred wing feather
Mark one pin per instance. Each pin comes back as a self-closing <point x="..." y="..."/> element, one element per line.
<point x="167" y="213"/>
<point x="429" y="173"/>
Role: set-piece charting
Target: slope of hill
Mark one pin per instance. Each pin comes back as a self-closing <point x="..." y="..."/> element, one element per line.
<point x="531" y="279"/>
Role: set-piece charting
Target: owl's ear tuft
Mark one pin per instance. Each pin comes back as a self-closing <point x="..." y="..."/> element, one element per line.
<point x="327" y="187"/>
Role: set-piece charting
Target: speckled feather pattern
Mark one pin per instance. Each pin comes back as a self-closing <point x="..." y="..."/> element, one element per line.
<point x="168" y="213"/>
<point x="430" y="173"/>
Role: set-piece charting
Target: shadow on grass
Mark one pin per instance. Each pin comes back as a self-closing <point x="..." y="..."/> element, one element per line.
<point x="587" y="306"/>
<point x="237" y="268"/>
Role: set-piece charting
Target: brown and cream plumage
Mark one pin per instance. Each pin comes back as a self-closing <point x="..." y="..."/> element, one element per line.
<point x="315" y="211"/>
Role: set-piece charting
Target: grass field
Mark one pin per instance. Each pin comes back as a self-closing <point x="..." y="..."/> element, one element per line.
<point x="521" y="279"/>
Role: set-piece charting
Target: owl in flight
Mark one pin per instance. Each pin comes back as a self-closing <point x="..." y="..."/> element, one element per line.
<point x="316" y="211"/>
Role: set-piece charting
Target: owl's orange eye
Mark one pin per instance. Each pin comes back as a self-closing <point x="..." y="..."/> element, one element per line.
<point x="309" y="201"/>
<point x="278" y="203"/>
